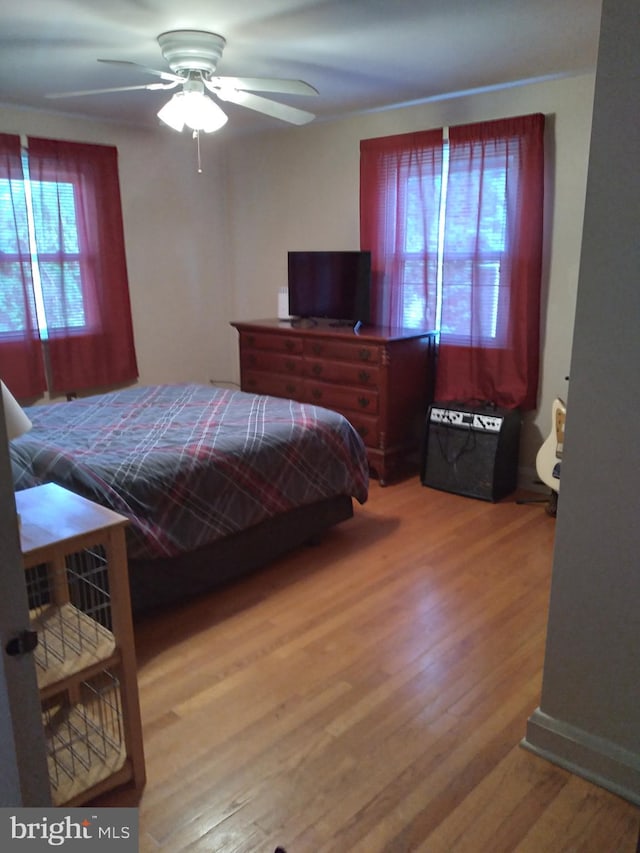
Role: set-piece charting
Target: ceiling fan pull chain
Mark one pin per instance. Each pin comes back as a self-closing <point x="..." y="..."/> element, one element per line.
<point x="196" y="136"/>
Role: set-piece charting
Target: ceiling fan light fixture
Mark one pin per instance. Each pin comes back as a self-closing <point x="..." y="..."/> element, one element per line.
<point x="193" y="109"/>
<point x="171" y="114"/>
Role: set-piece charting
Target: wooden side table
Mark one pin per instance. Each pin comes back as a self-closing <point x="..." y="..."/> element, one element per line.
<point x="79" y="603"/>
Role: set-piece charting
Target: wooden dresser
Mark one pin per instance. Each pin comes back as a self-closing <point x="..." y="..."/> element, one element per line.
<point x="381" y="379"/>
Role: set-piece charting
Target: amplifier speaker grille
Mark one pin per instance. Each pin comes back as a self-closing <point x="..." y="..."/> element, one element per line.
<point x="468" y="459"/>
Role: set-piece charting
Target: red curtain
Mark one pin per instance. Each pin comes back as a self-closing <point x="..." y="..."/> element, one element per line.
<point x="455" y="233"/>
<point x="401" y="235"/>
<point x="498" y="364"/>
<point x="99" y="351"/>
<point x="21" y="365"/>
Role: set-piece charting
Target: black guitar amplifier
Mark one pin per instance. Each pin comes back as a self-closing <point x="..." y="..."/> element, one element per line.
<point x="471" y="451"/>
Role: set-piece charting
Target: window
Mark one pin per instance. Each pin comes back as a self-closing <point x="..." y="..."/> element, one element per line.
<point x="454" y="226"/>
<point x="473" y="251"/>
<point x="45" y="221"/>
<point x="471" y="258"/>
<point x="62" y="267"/>
<point x="55" y="259"/>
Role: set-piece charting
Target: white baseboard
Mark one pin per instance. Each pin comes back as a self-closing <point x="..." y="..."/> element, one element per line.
<point x="594" y="758"/>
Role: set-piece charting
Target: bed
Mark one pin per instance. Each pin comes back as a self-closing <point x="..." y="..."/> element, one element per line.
<point x="215" y="482"/>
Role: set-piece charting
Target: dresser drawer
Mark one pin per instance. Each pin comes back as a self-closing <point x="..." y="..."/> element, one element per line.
<point x="272" y="362"/>
<point x="342" y="399"/>
<point x="275" y="385"/>
<point x="367" y="427"/>
<point x="357" y="351"/>
<point x="277" y="343"/>
<point x="343" y="372"/>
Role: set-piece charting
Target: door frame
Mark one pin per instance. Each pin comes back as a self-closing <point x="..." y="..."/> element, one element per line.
<point x="24" y="780"/>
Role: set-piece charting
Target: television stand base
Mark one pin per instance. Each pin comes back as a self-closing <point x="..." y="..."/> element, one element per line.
<point x="343" y="324"/>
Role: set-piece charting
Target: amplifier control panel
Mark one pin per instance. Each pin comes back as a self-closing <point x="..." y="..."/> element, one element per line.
<point x="461" y="418"/>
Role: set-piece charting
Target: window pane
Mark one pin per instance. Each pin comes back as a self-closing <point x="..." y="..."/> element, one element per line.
<point x="62" y="294"/>
<point x="14" y="243"/>
<point x="422" y="208"/>
<point x="13" y="217"/>
<point x="487" y="296"/>
<point x="419" y="304"/>
<point x="13" y="316"/>
<point x="456" y="307"/>
<point x="493" y="211"/>
<point x="472" y="290"/>
<point x="54" y="215"/>
<point x="419" y="265"/>
<point x="476" y="209"/>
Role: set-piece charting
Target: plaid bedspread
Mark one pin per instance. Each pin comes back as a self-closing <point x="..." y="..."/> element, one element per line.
<point x="188" y="464"/>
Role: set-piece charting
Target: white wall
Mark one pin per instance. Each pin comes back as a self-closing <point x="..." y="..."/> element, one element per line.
<point x="207" y="249"/>
<point x="300" y="189"/>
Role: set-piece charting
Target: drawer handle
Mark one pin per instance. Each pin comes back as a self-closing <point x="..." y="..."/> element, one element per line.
<point x="290" y="365"/>
<point x="363" y="431"/>
<point x="363" y="402"/>
<point x="290" y="388"/>
<point x="364" y="354"/>
<point x="317" y="369"/>
<point x="316" y="393"/>
<point x="289" y="345"/>
<point x="364" y="376"/>
<point x="316" y="349"/>
<point x="251" y="340"/>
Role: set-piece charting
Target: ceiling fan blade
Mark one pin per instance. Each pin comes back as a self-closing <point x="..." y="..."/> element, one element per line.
<point x="264" y="105"/>
<point x="164" y="75"/>
<point x="263" y="84"/>
<point x="154" y="86"/>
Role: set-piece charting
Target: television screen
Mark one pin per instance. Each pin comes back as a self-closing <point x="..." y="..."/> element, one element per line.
<point x="332" y="285"/>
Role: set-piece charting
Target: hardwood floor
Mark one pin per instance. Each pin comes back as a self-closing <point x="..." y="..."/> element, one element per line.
<point x="367" y="694"/>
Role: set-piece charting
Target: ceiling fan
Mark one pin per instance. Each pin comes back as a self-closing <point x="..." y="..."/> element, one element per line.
<point x="192" y="56"/>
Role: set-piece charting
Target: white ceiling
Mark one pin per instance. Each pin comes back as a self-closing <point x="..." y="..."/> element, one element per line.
<point x="359" y="54"/>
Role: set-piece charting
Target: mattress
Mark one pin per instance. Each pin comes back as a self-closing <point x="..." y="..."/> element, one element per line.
<point x="189" y="464"/>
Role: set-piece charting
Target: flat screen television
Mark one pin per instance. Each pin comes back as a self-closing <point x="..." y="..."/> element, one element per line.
<point x="334" y="285"/>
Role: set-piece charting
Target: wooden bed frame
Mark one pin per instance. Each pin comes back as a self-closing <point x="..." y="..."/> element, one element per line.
<point x="166" y="581"/>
